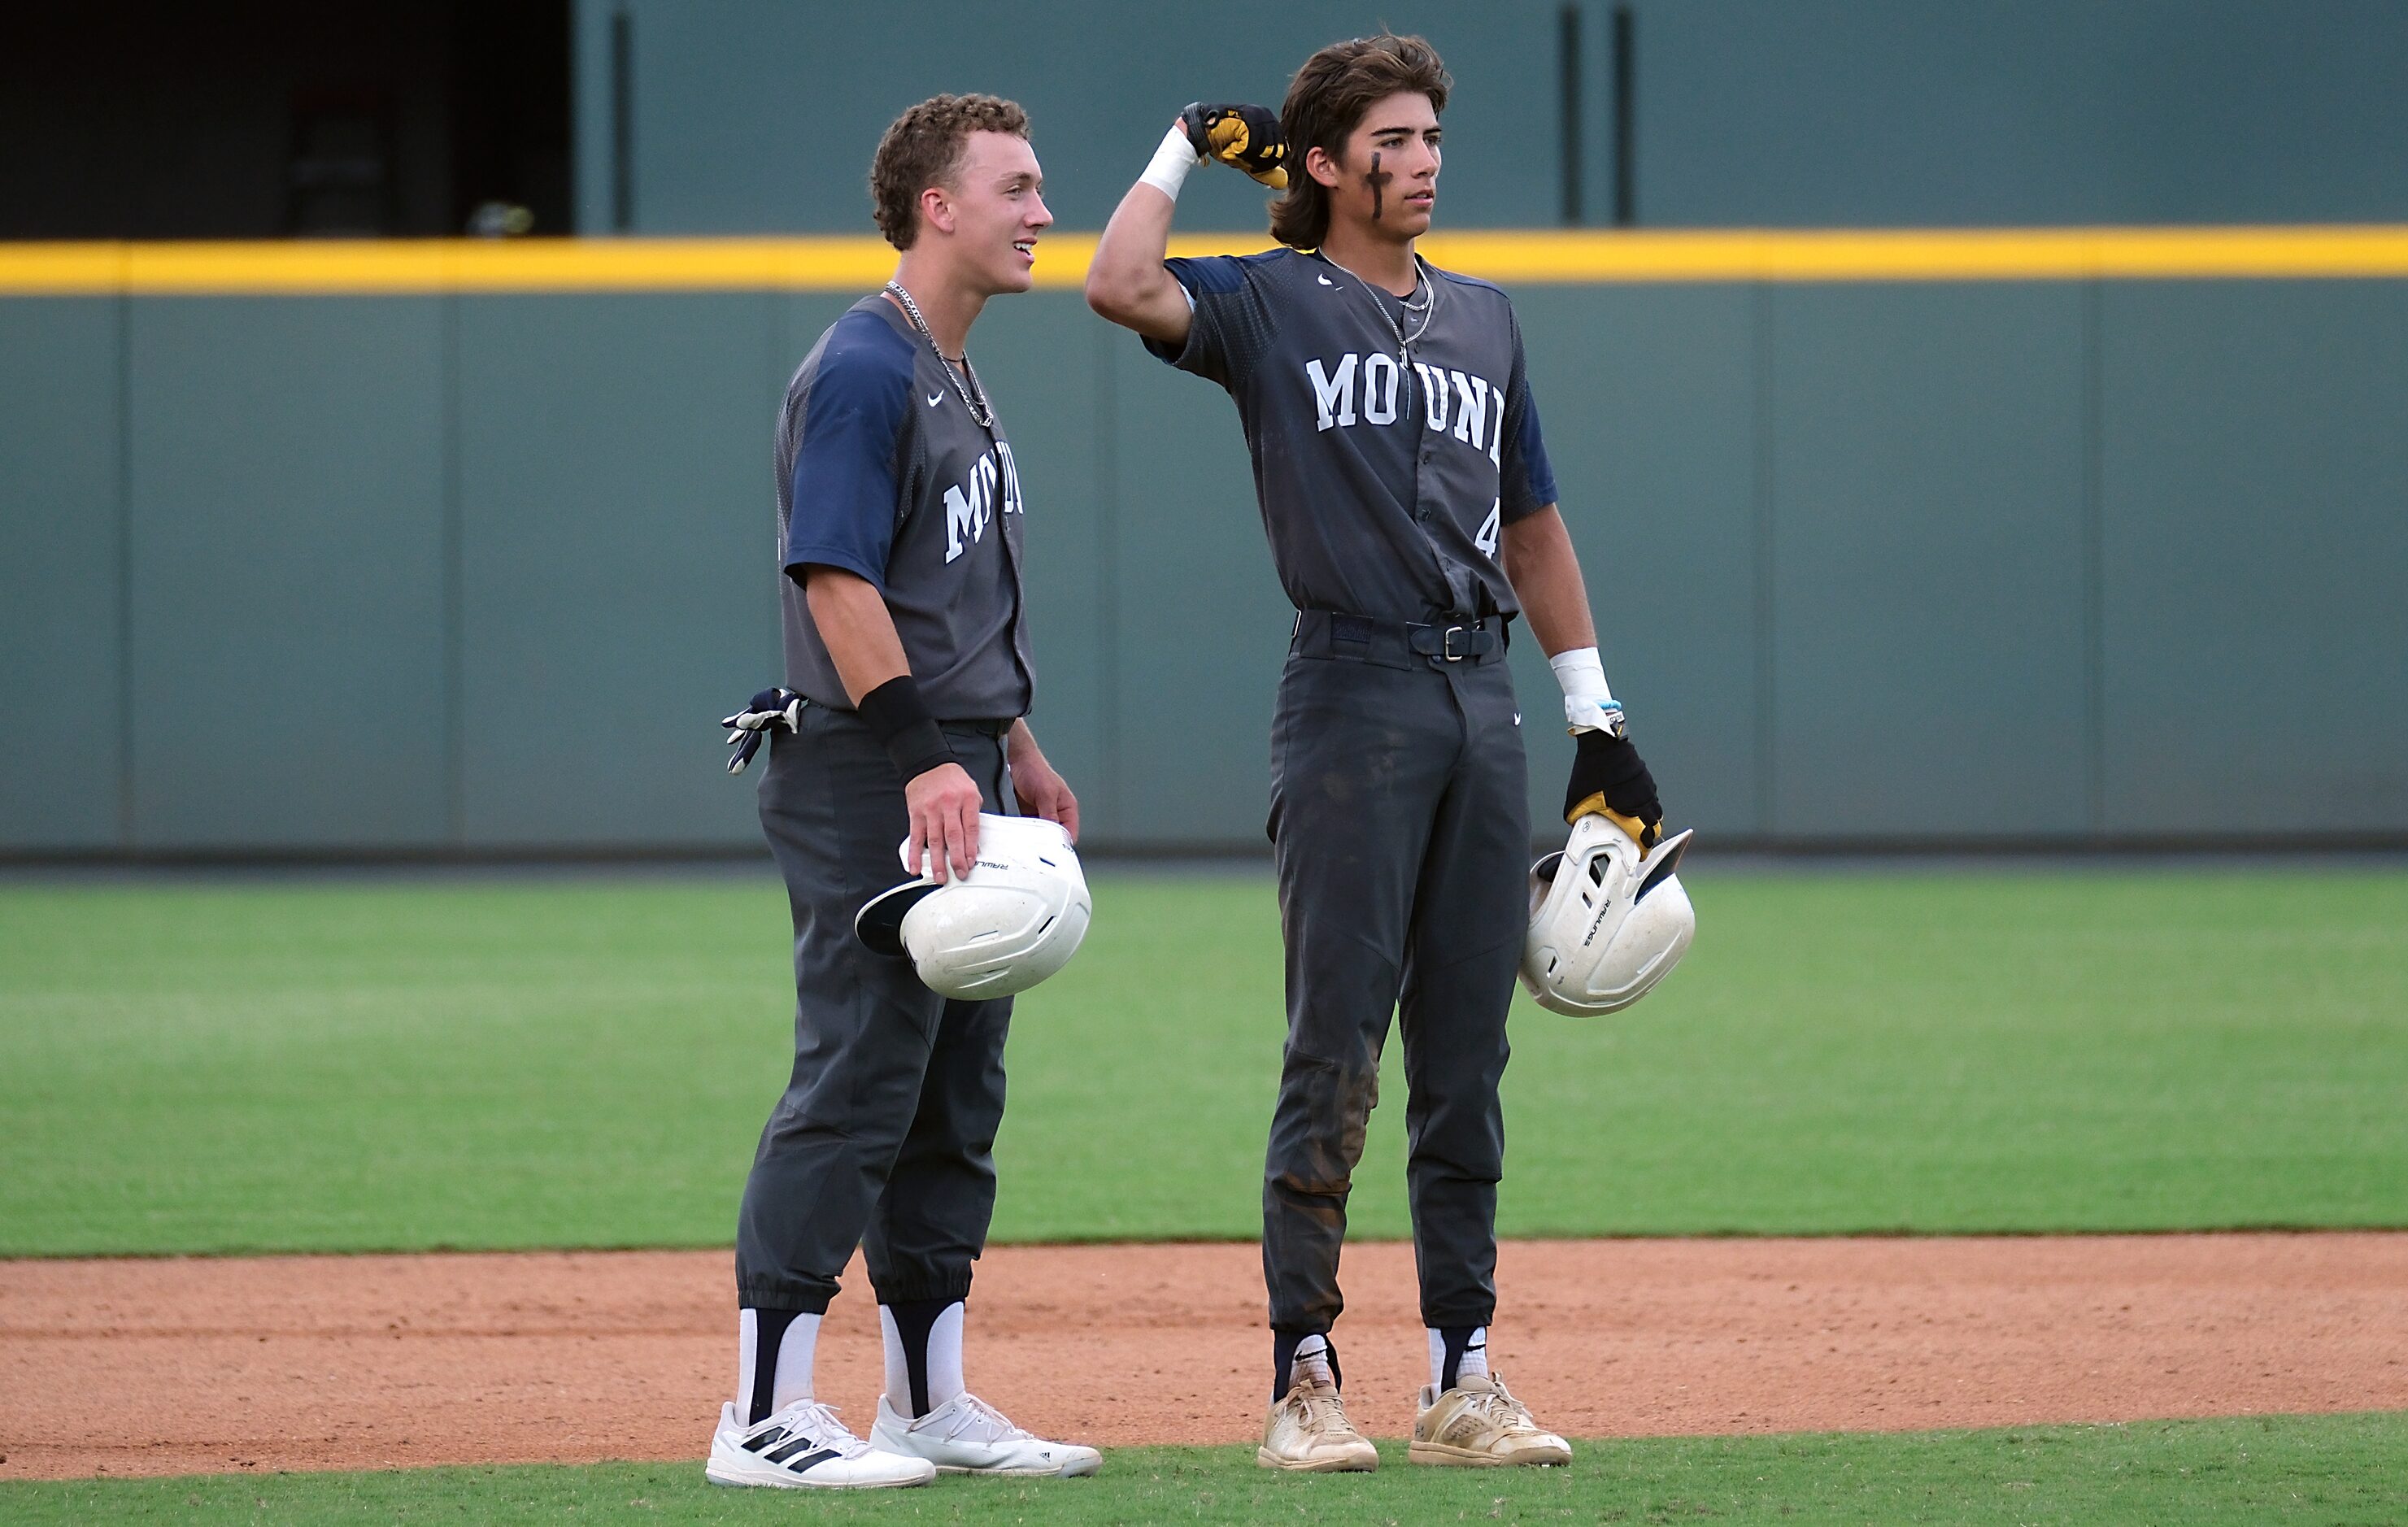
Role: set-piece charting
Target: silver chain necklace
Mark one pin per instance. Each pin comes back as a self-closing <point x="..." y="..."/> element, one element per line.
<point x="974" y="396"/>
<point x="1427" y="308"/>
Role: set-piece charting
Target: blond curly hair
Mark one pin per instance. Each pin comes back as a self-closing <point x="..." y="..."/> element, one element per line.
<point x="923" y="148"/>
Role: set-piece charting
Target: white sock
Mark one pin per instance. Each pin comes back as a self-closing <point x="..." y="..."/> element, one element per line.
<point x="1474" y="1360"/>
<point x="1310" y="1363"/>
<point x="942" y="1363"/>
<point x="793" y="1379"/>
<point x="790" y="1379"/>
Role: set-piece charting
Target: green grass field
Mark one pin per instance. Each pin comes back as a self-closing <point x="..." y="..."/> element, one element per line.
<point x="189" y="1065"/>
<point x="557" y="1063"/>
<point x="2328" y="1470"/>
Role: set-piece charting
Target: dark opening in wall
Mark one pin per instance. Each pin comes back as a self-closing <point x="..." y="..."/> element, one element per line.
<point x="270" y="119"/>
<point x="510" y="130"/>
<point x="1625" y="118"/>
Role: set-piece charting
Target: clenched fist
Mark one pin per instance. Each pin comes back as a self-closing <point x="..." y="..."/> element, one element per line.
<point x="1609" y="777"/>
<point x="1246" y="136"/>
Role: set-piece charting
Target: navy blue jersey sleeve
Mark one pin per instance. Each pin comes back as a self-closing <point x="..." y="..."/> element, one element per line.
<point x="1231" y="324"/>
<point x="843" y="496"/>
<point x="1526" y="481"/>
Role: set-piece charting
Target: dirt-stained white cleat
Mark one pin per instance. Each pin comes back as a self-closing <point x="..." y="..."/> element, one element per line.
<point x="804" y="1446"/>
<point x="1307" y="1433"/>
<point x="967" y="1436"/>
<point x="1479" y="1423"/>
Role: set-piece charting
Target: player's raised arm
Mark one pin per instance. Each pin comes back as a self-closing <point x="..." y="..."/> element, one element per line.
<point x="1127" y="282"/>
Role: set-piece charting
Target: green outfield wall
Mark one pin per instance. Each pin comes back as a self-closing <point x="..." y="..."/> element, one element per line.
<point x="759" y="116"/>
<point x="2063" y="560"/>
<point x="2075" y="536"/>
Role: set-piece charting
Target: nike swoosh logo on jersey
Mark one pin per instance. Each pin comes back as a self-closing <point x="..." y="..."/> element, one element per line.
<point x="1326" y="282"/>
<point x="935" y="398"/>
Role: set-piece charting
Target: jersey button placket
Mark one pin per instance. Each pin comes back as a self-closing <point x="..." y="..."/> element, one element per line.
<point x="1424" y="452"/>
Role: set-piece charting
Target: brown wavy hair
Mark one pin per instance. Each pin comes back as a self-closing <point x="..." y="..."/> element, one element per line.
<point x="1326" y="101"/>
<point x="923" y="148"/>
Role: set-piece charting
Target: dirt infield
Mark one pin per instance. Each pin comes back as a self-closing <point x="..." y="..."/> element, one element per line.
<point x="325" y="1362"/>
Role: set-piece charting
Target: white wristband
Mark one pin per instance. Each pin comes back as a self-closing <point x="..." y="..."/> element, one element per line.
<point x="1581" y="674"/>
<point x="1171" y="161"/>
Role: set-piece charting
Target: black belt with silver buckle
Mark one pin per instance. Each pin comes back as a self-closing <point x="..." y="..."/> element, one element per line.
<point x="1399" y="644"/>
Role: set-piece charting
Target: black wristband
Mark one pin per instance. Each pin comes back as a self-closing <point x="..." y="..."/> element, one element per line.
<point x="900" y="720"/>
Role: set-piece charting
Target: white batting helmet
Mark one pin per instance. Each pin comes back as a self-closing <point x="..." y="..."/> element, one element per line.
<point x="1014" y="919"/>
<point x="1607" y="921"/>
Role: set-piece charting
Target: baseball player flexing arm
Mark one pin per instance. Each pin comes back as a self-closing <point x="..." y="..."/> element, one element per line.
<point x="1412" y="514"/>
<point x="908" y="680"/>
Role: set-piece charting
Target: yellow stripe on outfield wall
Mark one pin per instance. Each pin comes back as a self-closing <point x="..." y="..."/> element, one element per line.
<point x="1580" y="257"/>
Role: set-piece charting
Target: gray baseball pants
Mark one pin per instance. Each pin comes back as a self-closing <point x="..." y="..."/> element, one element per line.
<point x="1400" y="824"/>
<point x="885" y="1134"/>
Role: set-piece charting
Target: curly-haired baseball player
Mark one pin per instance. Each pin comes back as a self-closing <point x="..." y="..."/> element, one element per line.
<point x="1412" y="514"/>
<point x="909" y="677"/>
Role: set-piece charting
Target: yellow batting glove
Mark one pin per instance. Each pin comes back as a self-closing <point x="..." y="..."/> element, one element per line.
<point x="1247" y="137"/>
<point x="1645" y="833"/>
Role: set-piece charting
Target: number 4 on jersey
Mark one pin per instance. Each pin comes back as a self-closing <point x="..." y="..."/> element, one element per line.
<point x="1490" y="529"/>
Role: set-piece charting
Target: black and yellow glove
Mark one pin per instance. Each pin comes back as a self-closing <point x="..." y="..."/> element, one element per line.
<point x="1246" y="136"/>
<point x="1609" y="777"/>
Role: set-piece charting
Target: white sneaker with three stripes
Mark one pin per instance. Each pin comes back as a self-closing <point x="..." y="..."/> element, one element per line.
<point x="804" y="1447"/>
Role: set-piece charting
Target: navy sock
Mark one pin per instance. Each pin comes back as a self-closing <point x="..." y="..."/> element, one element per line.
<point x="1458" y="1341"/>
<point x="913" y="1319"/>
<point x="769" y="1329"/>
<point x="1284" y="1346"/>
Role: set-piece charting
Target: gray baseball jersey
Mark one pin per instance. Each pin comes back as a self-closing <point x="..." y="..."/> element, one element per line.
<point x="1391" y="444"/>
<point x="883" y="472"/>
